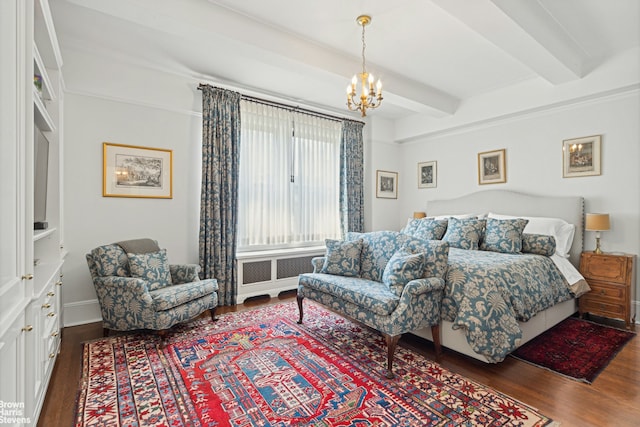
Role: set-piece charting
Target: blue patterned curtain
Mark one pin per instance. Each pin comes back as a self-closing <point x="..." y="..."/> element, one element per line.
<point x="219" y="194"/>
<point x="351" y="177"/>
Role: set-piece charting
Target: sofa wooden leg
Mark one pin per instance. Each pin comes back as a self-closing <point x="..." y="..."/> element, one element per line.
<point x="212" y="311"/>
<point x="299" y="298"/>
<point x="435" y="332"/>
<point x="392" y="343"/>
<point x="163" y="338"/>
<point x="105" y="332"/>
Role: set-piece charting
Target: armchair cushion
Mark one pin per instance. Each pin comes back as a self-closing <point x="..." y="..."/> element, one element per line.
<point x="175" y="295"/>
<point x="152" y="267"/>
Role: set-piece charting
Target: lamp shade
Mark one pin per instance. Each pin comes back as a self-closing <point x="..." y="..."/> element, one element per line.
<point x="597" y="222"/>
<point x="418" y="215"/>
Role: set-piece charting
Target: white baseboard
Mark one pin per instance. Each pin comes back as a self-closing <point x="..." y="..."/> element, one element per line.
<point x="82" y="312"/>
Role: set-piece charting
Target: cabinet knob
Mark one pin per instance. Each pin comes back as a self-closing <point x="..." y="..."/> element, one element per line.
<point x="27" y="328"/>
<point x="51" y="294"/>
<point x="59" y="283"/>
<point x="47" y="305"/>
<point x="27" y="277"/>
<point x="52" y="314"/>
<point x="52" y="355"/>
<point x="55" y="334"/>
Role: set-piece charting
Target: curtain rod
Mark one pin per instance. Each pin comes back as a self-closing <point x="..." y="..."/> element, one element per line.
<point x="286" y="106"/>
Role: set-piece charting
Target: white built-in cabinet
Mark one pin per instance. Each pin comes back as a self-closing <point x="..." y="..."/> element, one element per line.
<point x="30" y="261"/>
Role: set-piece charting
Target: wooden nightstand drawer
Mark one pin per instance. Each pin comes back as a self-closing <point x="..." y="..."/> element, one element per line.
<point x="602" y="307"/>
<point x="606" y="291"/>
<point x="611" y="268"/>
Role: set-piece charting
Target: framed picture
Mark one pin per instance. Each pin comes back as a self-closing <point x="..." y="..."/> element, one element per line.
<point x="492" y="167"/>
<point x="427" y="174"/>
<point x="131" y="171"/>
<point x="386" y="185"/>
<point x="581" y="156"/>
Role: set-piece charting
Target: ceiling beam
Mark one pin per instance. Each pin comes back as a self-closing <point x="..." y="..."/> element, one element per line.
<point x="526" y="31"/>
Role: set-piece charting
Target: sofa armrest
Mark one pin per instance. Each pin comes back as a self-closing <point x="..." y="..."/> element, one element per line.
<point x="317" y="262"/>
<point x="421" y="286"/>
<point x="184" y="273"/>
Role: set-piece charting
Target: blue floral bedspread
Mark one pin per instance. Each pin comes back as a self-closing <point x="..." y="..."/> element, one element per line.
<point x="487" y="293"/>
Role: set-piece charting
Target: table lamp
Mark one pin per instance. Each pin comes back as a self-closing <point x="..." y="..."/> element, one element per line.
<point x="419" y="215"/>
<point x="597" y="222"/>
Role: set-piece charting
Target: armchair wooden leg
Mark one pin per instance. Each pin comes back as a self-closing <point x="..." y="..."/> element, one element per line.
<point x="299" y="299"/>
<point x="212" y="311"/>
<point x="435" y="332"/>
<point x="392" y="343"/>
<point x="105" y="332"/>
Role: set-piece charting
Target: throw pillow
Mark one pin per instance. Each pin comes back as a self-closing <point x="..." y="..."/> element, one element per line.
<point x="503" y="235"/>
<point x="464" y="233"/>
<point x="538" y="244"/>
<point x="402" y="268"/>
<point x="152" y="267"/>
<point x="342" y="258"/>
<point x="431" y="229"/>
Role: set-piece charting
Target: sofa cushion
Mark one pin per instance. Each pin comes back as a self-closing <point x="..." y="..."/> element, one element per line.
<point x="111" y="260"/>
<point x="342" y="258"/>
<point x="377" y="249"/>
<point x="503" y="235"/>
<point x="371" y="295"/>
<point x="176" y="295"/>
<point x="464" y="233"/>
<point x="437" y="255"/>
<point x="152" y="267"/>
<point x="402" y="268"/>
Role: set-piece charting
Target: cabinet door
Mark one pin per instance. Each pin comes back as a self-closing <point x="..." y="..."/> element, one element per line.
<point x="12" y="161"/>
<point x="12" y="356"/>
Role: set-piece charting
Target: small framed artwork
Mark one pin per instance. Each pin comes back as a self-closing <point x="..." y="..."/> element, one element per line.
<point x="492" y="167"/>
<point x="581" y="156"/>
<point x="427" y="174"/>
<point x="132" y="171"/>
<point x="386" y="185"/>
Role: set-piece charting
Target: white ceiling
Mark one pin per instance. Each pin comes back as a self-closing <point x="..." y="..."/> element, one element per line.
<point x="430" y="54"/>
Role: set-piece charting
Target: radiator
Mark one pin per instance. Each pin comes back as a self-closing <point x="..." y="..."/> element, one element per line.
<point x="272" y="273"/>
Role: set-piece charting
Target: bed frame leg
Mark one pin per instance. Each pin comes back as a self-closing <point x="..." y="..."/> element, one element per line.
<point x="392" y="343"/>
<point x="299" y="298"/>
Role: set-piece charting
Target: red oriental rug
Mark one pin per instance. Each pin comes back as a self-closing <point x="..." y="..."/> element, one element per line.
<point x="260" y="368"/>
<point x="575" y="348"/>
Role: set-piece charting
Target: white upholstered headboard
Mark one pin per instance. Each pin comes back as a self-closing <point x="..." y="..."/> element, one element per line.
<point x="569" y="208"/>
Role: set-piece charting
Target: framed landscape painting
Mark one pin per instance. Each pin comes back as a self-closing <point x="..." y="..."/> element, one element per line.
<point x="492" y="167"/>
<point x="132" y="171"/>
<point x="581" y="156"/>
<point x="386" y="185"/>
<point x="427" y="174"/>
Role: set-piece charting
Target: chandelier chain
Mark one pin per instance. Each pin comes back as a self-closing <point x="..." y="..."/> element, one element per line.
<point x="364" y="44"/>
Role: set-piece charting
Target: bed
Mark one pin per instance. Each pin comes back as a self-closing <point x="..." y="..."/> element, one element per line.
<point x="462" y="330"/>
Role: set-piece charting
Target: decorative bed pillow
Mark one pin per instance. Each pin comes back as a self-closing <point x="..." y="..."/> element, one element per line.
<point x="402" y="268"/>
<point x="464" y="233"/>
<point x="411" y="227"/>
<point x="503" y="235"/>
<point x="431" y="229"/>
<point x="152" y="267"/>
<point x="342" y="258"/>
<point x="538" y="244"/>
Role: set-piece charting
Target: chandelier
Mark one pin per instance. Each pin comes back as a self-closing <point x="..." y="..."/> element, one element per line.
<point x="369" y="98"/>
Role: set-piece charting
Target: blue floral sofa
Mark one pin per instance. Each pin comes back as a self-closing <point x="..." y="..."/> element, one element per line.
<point x="388" y="280"/>
<point x="143" y="291"/>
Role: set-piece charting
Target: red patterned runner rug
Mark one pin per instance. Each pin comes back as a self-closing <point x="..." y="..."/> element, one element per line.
<point x="575" y="348"/>
<point x="260" y="368"/>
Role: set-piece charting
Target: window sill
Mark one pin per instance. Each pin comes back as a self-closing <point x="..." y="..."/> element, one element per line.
<point x="276" y="253"/>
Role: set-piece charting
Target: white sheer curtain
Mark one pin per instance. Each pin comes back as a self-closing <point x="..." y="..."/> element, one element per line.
<point x="288" y="186"/>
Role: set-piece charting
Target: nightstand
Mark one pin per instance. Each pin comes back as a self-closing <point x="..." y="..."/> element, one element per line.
<point x="612" y="281"/>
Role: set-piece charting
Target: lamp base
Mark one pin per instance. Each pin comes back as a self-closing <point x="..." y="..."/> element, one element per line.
<point x="597" y="249"/>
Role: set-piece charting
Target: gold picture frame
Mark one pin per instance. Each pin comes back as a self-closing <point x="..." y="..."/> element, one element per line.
<point x="428" y="174"/>
<point x="386" y="185"/>
<point x="492" y="168"/>
<point x="134" y="171"/>
<point x="581" y="156"/>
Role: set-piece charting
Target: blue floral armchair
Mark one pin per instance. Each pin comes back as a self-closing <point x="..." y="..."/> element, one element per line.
<point x="142" y="291"/>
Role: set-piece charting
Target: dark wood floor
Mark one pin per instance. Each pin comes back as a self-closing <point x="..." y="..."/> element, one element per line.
<point x="612" y="400"/>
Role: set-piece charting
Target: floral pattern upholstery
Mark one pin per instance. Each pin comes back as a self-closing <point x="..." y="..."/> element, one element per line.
<point x="152" y="267"/>
<point x="402" y="268"/>
<point x="487" y="293"/>
<point x="342" y="258"/>
<point x="503" y="235"/>
<point x="426" y="228"/>
<point x="464" y="233"/>
<point x="127" y="303"/>
<point x="539" y="244"/>
<point x="391" y="308"/>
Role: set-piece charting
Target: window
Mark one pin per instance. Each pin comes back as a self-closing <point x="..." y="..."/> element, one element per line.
<point x="289" y="178"/>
